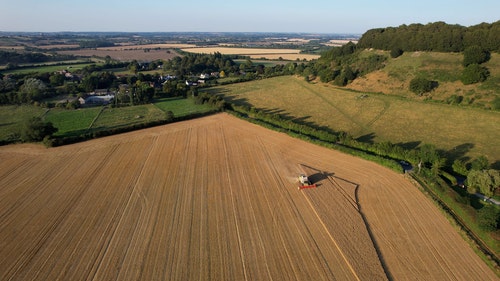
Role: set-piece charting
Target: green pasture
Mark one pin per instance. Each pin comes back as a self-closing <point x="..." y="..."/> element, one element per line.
<point x="180" y="106"/>
<point x="111" y="118"/>
<point x="72" y="122"/>
<point x="458" y="131"/>
<point x="48" y="68"/>
<point x="12" y="116"/>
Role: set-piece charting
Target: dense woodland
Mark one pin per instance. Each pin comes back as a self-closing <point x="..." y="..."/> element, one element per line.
<point x="438" y="37"/>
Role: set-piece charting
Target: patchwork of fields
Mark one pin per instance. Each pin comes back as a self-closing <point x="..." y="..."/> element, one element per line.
<point x="255" y="53"/>
<point x="216" y="199"/>
<point x="95" y="119"/>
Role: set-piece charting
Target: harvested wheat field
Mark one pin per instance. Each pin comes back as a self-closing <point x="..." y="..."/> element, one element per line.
<point x="216" y="199"/>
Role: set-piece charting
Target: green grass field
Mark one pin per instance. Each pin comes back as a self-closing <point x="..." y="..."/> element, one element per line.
<point x="86" y="120"/>
<point x="125" y="116"/>
<point x="72" y="122"/>
<point x="12" y="116"/>
<point x="459" y="131"/>
<point x="70" y="66"/>
<point x="180" y="106"/>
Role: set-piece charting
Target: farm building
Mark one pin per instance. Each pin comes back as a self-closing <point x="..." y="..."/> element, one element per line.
<point x="97" y="100"/>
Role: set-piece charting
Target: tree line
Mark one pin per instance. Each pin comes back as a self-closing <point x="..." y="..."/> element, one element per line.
<point x="12" y="58"/>
<point x="437" y="36"/>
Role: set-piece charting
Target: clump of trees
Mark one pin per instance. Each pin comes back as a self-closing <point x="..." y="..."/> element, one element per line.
<point x="396" y="52"/>
<point x="475" y="55"/>
<point x="213" y="100"/>
<point x="35" y="129"/>
<point x="420" y="85"/>
<point x="99" y="43"/>
<point x="473" y="72"/>
<point x="201" y="63"/>
<point x="486" y="181"/>
<point x="13" y="58"/>
<point x="341" y="65"/>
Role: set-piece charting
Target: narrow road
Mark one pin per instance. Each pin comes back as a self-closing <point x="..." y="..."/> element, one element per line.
<point x="487" y="199"/>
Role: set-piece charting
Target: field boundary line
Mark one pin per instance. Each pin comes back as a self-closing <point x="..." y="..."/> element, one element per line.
<point x="331" y="237"/>
<point x="380" y="114"/>
<point x="95" y="119"/>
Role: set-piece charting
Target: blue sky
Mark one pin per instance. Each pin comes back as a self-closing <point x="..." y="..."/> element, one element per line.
<point x="313" y="16"/>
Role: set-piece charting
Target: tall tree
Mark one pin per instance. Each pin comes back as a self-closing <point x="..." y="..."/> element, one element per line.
<point x="484" y="181"/>
<point x="32" y="90"/>
<point x="35" y="129"/>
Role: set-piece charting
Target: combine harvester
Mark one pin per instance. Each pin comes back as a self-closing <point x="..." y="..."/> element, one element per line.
<point x="305" y="183"/>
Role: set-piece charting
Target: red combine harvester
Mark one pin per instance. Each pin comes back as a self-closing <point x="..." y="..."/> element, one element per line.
<point x="304" y="182"/>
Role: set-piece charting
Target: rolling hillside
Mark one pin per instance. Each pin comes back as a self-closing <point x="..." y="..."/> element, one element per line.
<point x="444" y="68"/>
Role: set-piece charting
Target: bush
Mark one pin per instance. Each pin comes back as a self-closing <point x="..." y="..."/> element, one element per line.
<point x="420" y="85"/>
<point x="474" y="73"/>
<point x="396" y="52"/>
<point x="459" y="167"/>
<point x="475" y="55"/>
<point x="488" y="218"/>
<point x="34" y="129"/>
<point x="454" y="99"/>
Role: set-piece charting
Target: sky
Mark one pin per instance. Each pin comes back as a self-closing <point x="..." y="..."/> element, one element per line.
<point x="304" y="16"/>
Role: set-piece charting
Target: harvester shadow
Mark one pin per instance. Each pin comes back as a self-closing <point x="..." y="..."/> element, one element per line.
<point x="318" y="175"/>
<point x="322" y="175"/>
<point x="316" y="178"/>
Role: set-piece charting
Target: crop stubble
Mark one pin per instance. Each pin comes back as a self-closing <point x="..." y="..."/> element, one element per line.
<point x="216" y="199"/>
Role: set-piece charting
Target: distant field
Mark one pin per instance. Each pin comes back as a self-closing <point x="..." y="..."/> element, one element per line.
<point x="124" y="54"/>
<point x="263" y="62"/>
<point x="58" y="46"/>
<point x="286" y="54"/>
<point x="457" y="130"/>
<point x="67" y="65"/>
<point x="148" y="46"/>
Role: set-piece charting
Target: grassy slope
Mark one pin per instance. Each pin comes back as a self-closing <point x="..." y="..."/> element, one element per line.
<point x="445" y="68"/>
<point x="461" y="131"/>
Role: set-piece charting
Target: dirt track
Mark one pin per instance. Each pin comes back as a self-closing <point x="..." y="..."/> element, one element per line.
<point x="216" y="199"/>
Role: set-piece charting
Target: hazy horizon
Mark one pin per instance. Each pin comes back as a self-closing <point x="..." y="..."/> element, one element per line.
<point x="317" y="16"/>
